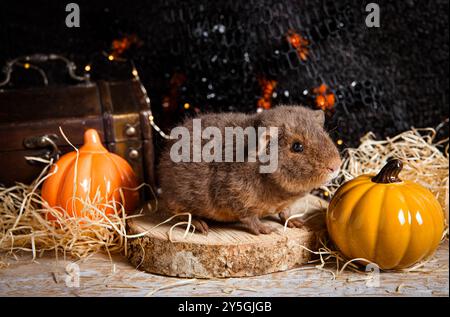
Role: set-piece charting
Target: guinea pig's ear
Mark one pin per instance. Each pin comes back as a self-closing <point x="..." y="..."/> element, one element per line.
<point x="319" y="115"/>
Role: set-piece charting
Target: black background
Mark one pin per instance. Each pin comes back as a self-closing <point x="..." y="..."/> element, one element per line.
<point x="385" y="79"/>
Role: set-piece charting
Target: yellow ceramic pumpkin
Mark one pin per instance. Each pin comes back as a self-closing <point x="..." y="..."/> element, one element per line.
<point x="381" y="218"/>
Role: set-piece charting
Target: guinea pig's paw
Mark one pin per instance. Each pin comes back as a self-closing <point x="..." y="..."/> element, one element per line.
<point x="292" y="223"/>
<point x="255" y="226"/>
<point x="295" y="223"/>
<point x="200" y="225"/>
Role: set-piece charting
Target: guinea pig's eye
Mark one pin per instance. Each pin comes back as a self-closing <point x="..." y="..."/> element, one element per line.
<point x="297" y="147"/>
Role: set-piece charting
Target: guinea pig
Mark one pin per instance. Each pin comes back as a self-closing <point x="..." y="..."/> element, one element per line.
<point x="238" y="191"/>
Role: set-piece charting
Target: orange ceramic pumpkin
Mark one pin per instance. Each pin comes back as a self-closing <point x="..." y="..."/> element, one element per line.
<point x="99" y="176"/>
<point x="381" y="218"/>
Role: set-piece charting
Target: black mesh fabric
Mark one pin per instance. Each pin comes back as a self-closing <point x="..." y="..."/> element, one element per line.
<point x="213" y="55"/>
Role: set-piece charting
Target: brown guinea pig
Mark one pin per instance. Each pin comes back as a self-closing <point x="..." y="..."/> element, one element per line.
<point x="227" y="191"/>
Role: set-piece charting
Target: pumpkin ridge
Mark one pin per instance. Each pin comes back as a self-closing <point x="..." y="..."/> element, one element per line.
<point x="420" y="203"/>
<point x="51" y="184"/>
<point x="129" y="180"/>
<point x="91" y="177"/>
<point x="428" y="196"/>
<point x="91" y="161"/>
<point x="433" y="215"/>
<point x="352" y="215"/>
<point x="83" y="158"/>
<point x="120" y="172"/>
<point x="380" y="211"/>
<point x="408" y="245"/>
<point x="62" y="179"/>
<point x="356" y="182"/>
<point x="108" y="197"/>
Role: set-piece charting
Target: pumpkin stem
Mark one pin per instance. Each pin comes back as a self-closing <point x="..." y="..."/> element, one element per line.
<point x="92" y="142"/>
<point x="389" y="172"/>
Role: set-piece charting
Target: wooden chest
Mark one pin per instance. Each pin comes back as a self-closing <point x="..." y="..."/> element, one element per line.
<point x="30" y="121"/>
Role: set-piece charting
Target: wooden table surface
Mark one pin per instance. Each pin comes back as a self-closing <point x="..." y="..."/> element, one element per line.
<point x="101" y="277"/>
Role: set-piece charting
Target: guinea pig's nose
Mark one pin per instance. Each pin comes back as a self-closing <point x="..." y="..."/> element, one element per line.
<point x="334" y="166"/>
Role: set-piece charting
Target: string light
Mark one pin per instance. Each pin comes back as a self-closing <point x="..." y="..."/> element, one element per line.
<point x="111" y="57"/>
<point x="326" y="193"/>
<point x="158" y="129"/>
<point x="187" y="106"/>
<point x="340" y="142"/>
<point x="26" y="65"/>
<point x="87" y="68"/>
<point x="151" y="118"/>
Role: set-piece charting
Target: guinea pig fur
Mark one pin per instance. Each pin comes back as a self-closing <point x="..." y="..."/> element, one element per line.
<point x="238" y="191"/>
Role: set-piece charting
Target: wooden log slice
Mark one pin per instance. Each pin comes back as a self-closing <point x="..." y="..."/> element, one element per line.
<point x="228" y="250"/>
